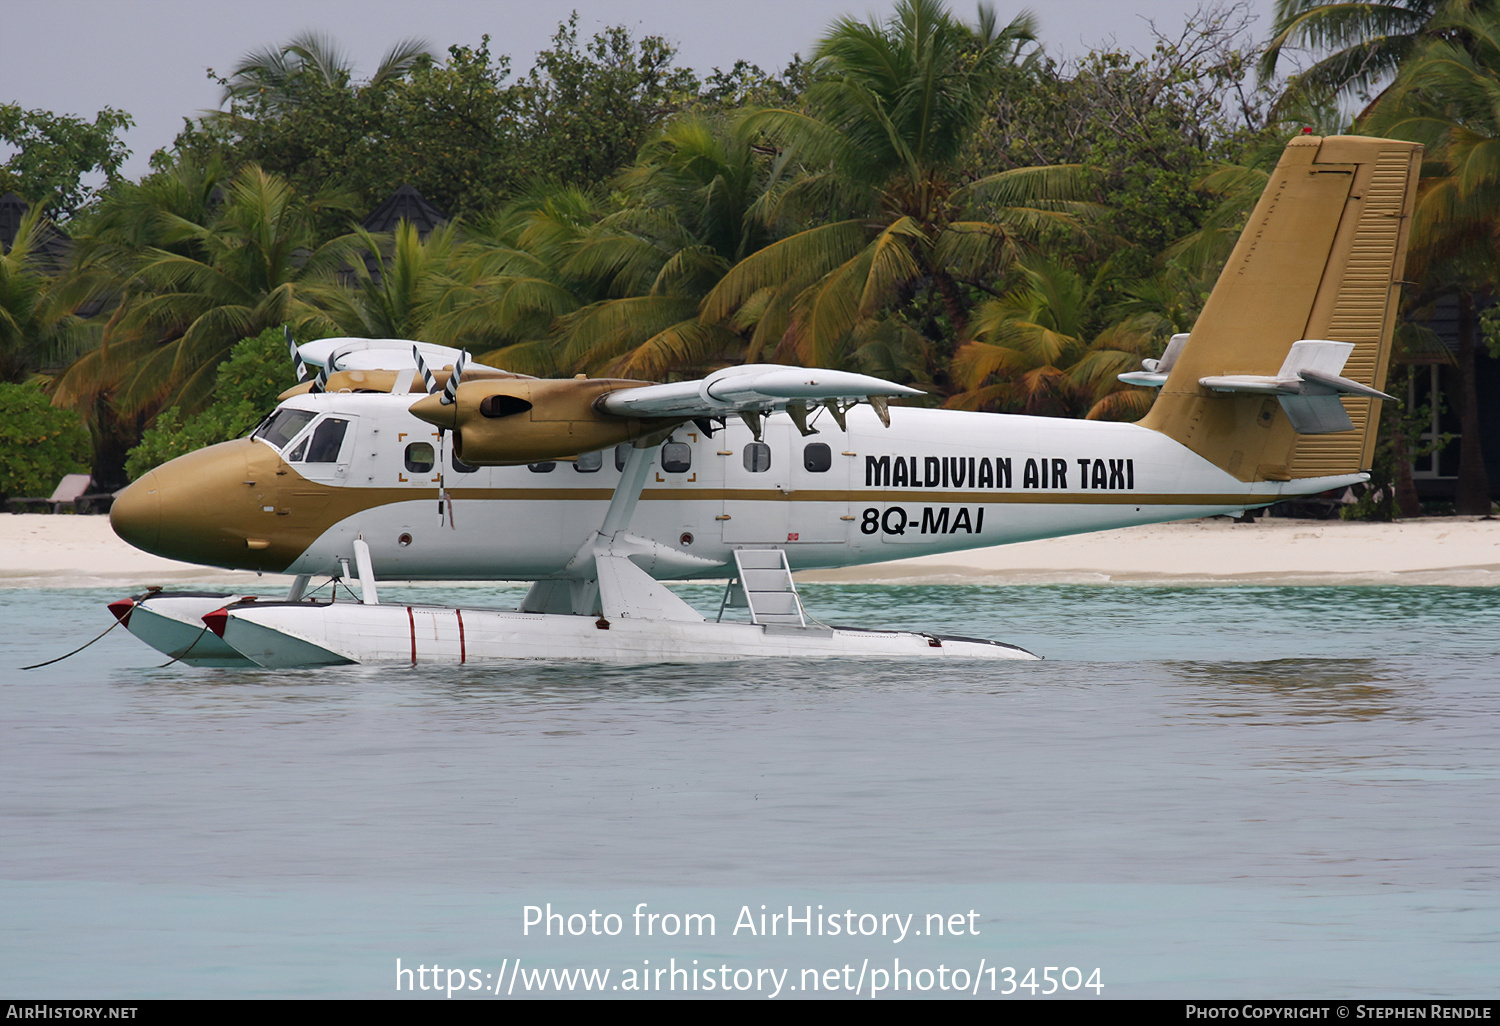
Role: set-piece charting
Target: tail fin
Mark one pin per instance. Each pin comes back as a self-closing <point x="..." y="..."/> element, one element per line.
<point x="1320" y="259"/>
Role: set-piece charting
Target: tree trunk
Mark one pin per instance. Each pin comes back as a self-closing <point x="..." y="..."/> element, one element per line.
<point x="1406" y="488"/>
<point x="1473" y="494"/>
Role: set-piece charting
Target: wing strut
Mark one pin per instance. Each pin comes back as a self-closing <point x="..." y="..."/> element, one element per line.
<point x="603" y="576"/>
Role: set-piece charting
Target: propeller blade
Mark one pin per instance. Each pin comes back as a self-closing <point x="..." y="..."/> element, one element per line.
<point x="450" y="390"/>
<point x="429" y="384"/>
<point x="298" y="364"/>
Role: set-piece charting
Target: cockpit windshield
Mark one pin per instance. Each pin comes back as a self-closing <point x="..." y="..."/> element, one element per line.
<point x="282" y="426"/>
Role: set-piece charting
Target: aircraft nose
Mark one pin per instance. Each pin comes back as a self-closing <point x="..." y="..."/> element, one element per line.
<point x="199" y="508"/>
<point x="136" y="513"/>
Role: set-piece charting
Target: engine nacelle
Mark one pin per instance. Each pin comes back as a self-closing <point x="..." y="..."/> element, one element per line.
<point x="529" y="420"/>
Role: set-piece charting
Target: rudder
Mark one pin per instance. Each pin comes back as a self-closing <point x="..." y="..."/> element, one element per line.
<point x="1320" y="257"/>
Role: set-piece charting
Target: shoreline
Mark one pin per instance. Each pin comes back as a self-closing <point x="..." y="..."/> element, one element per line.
<point x="66" y="551"/>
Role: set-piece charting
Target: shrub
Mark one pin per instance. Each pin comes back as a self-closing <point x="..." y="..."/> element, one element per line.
<point x="39" y="443"/>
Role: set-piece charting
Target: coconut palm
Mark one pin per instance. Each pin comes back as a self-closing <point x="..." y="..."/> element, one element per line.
<point x="887" y="115"/>
<point x="201" y="286"/>
<point x="281" y="75"/>
<point x="1361" y="42"/>
<point x="383" y="291"/>
<point x="694" y="203"/>
<point x="39" y="324"/>
<point x="506" y="285"/>
<point x="1032" y="352"/>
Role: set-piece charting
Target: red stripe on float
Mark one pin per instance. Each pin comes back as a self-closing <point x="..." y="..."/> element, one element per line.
<point x="463" y="652"/>
<point x="412" y="620"/>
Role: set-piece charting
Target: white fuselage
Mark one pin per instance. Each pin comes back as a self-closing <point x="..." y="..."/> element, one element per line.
<point x="935" y="481"/>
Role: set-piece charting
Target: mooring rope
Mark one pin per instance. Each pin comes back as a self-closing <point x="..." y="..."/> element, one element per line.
<point x="80" y="648"/>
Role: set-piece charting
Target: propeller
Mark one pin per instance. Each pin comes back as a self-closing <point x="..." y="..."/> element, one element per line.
<point x="429" y="383"/>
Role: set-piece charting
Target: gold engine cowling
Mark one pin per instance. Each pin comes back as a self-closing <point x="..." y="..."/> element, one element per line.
<point x="532" y="419"/>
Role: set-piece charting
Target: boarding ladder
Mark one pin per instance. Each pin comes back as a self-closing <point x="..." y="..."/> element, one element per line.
<point x="764" y="585"/>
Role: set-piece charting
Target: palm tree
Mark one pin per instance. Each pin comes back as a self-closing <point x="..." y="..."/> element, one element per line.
<point x="887" y="115"/>
<point x="694" y="203"/>
<point x="198" y="287"/>
<point x="39" y="324"/>
<point x="507" y="285"/>
<point x="1033" y="342"/>
<point x="1363" y="42"/>
<point x="384" y="290"/>
<point x="281" y="75"/>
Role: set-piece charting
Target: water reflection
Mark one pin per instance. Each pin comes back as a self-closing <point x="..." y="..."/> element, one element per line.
<point x="1297" y="689"/>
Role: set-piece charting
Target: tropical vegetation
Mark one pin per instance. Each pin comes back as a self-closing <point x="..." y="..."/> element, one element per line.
<point x="925" y="197"/>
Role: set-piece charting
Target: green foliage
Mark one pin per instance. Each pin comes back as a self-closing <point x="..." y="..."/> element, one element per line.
<point x="874" y="162"/>
<point x="252" y="263"/>
<point x="1489" y="330"/>
<point x="55" y="151"/>
<point x="456" y="130"/>
<point x="39" y="443"/>
<point x="245" y="390"/>
<point x="1400" y="443"/>
<point x="586" y="108"/>
<point x="1147" y="130"/>
<point x="38" y="324"/>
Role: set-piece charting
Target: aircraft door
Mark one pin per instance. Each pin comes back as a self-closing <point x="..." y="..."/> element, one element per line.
<point x="785" y="489"/>
<point x="321" y="459"/>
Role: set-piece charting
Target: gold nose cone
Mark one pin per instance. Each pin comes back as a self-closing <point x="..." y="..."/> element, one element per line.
<point x="433" y="411"/>
<point x="136" y="513"/>
<point x="198" y="508"/>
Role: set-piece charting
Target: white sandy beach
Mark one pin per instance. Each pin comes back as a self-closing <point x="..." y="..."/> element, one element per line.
<point x="37" y="550"/>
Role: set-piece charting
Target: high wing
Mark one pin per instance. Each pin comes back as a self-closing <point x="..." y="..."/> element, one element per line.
<point x="499" y="421"/>
<point x="366" y="354"/>
<point x="756" y="388"/>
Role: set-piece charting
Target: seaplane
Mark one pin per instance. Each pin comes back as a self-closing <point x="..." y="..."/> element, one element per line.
<point x="404" y="461"/>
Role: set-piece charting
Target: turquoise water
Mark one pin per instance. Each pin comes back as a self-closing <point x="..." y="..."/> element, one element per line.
<point x="1202" y="792"/>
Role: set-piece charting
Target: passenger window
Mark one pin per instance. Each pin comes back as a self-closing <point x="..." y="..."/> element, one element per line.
<point x="420" y="458"/>
<point x="589" y="462"/>
<point x="676" y="458"/>
<point x="542" y="468"/>
<point x="757" y="457"/>
<point x="817" y="458"/>
<point x="327" y="440"/>
<point x="621" y="452"/>
<point x="460" y="467"/>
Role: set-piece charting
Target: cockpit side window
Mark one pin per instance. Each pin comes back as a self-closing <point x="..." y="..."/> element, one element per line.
<point x="282" y="426"/>
<point x="327" y="440"/>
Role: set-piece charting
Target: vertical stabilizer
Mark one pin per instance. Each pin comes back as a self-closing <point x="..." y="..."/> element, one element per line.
<point x="1320" y="258"/>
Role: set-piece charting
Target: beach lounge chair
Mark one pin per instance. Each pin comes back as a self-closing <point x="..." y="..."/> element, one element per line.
<point x="67" y="493"/>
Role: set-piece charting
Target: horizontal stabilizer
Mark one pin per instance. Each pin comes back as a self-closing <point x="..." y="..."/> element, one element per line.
<point x="1155" y="373"/>
<point x="750" y="389"/>
<point x="1308" y="386"/>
